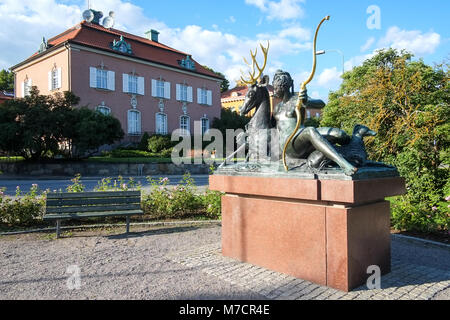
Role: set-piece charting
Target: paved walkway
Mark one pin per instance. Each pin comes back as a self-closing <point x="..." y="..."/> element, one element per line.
<point x="185" y="263"/>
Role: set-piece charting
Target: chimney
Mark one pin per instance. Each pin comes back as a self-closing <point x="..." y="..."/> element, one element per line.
<point x="152" y="35"/>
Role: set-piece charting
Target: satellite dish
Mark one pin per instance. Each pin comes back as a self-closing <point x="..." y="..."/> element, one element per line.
<point x="88" y="15"/>
<point x="108" y="22"/>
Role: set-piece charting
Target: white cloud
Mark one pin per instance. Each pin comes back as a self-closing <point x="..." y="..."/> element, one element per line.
<point x="368" y="44"/>
<point x="329" y="77"/>
<point x="219" y="50"/>
<point x="415" y="41"/>
<point x="281" y="10"/>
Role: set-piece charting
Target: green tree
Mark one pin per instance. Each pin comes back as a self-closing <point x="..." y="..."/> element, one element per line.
<point x="225" y="84"/>
<point x="39" y="126"/>
<point x="407" y="103"/>
<point x="91" y="130"/>
<point x="6" y="80"/>
<point x="229" y="119"/>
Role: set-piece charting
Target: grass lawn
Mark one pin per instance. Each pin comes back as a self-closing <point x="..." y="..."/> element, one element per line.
<point x="11" y="159"/>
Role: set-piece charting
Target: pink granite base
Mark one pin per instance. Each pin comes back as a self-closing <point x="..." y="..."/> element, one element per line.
<point x="295" y="232"/>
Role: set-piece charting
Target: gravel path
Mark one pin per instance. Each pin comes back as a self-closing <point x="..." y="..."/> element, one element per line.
<point x="151" y="263"/>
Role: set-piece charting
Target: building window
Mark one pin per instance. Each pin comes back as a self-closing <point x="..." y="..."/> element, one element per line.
<point x="184" y="93"/>
<point x="27" y="85"/>
<point x="205" y="125"/>
<point x="104" y="110"/>
<point x="204" y="96"/>
<point x="102" y="79"/>
<point x="161" y="123"/>
<point x="134" y="122"/>
<point x="160" y="89"/>
<point x="308" y="114"/>
<point x="132" y="84"/>
<point x="54" y="79"/>
<point x="185" y="125"/>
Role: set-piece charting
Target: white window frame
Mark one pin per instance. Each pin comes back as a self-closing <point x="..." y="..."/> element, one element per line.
<point x="205" y="125"/>
<point x="160" y="89"/>
<point x="185" y="125"/>
<point x="204" y="96"/>
<point x="134" y="128"/>
<point x="102" y="79"/>
<point x="133" y="84"/>
<point x="161" y="128"/>
<point x="104" y="110"/>
<point x="27" y="86"/>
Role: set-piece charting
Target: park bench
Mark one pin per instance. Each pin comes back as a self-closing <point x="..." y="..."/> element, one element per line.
<point x="60" y="206"/>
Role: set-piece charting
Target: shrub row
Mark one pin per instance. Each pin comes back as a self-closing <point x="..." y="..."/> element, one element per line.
<point x="162" y="202"/>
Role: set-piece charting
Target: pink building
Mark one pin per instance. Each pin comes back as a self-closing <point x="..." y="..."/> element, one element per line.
<point x="147" y="85"/>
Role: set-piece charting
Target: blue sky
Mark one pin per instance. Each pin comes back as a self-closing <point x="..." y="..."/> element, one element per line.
<point x="220" y="33"/>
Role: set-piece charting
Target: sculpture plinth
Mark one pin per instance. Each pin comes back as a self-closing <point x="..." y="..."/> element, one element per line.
<point x="325" y="231"/>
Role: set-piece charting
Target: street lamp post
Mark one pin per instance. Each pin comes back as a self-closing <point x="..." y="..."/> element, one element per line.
<point x="333" y="50"/>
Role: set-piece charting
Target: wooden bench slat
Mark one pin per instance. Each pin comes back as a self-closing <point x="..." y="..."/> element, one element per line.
<point x="93" y="208"/>
<point x="91" y="201"/>
<point x="66" y="195"/>
<point x="91" y="214"/>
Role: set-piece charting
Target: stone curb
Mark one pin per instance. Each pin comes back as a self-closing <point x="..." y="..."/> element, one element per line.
<point x="158" y="223"/>
<point x="421" y="241"/>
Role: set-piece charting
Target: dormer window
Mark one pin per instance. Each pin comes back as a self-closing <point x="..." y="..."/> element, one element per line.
<point x="121" y="46"/>
<point x="187" y="63"/>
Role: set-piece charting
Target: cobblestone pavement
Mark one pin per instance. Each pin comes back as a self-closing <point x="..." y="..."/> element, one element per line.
<point x="181" y="263"/>
<point x="406" y="281"/>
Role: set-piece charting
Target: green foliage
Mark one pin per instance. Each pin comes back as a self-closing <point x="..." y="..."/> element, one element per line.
<point x="119" y="184"/>
<point x="6" y="80"/>
<point x="24" y="209"/>
<point x="212" y="203"/>
<point x="121" y="153"/>
<point x="36" y="126"/>
<point x="77" y="185"/>
<point x="143" y="145"/>
<point x="312" y="122"/>
<point x="180" y="201"/>
<point x="157" y="143"/>
<point x="90" y="130"/>
<point x="407" y="103"/>
<point x="229" y="119"/>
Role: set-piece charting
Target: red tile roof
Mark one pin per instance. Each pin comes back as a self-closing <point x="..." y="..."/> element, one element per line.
<point x="240" y="91"/>
<point x="98" y="37"/>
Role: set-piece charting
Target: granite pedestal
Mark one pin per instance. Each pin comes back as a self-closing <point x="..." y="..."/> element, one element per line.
<point x="326" y="231"/>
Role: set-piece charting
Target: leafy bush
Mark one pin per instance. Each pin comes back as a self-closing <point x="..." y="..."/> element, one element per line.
<point x="121" y="153"/>
<point x="77" y="185"/>
<point x="212" y="203"/>
<point x="143" y="145"/>
<point x="119" y="184"/>
<point x="166" y="202"/>
<point x="407" y="103"/>
<point x="157" y="143"/>
<point x="24" y="210"/>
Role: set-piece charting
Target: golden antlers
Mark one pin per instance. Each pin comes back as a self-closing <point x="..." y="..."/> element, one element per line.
<point x="253" y="79"/>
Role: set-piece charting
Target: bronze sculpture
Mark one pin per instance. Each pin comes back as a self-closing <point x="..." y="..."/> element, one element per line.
<point x="308" y="148"/>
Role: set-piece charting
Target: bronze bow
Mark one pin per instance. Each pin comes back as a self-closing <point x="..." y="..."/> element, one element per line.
<point x="299" y="105"/>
